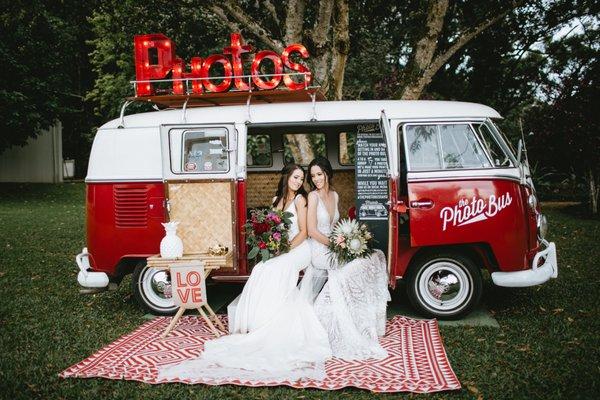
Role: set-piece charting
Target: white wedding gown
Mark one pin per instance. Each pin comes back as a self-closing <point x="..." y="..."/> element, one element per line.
<point x="277" y="335"/>
<point x="352" y="304"/>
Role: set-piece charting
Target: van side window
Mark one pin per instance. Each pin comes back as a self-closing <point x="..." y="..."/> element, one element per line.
<point x="205" y="150"/>
<point x="497" y="155"/>
<point x="302" y="148"/>
<point x="347" y="148"/>
<point x="258" y="152"/>
<point x="444" y="146"/>
<point x="422" y="143"/>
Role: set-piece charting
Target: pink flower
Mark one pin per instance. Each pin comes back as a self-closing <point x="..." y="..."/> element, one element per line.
<point x="339" y="240"/>
<point x="277" y="236"/>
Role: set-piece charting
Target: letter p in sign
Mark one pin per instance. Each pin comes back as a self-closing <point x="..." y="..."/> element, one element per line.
<point x="189" y="285"/>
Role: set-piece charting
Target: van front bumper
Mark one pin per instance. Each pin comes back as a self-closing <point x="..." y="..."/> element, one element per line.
<point x="87" y="279"/>
<point x="537" y="275"/>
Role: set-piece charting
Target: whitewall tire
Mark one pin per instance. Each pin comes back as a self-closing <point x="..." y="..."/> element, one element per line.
<point x="444" y="285"/>
<point x="151" y="289"/>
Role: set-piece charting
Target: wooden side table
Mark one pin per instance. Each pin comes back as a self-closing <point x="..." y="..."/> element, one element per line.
<point x="203" y="261"/>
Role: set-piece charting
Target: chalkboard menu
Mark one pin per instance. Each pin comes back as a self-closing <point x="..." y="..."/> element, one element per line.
<point x="372" y="182"/>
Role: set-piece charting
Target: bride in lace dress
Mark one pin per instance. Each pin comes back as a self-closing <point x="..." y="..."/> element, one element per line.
<point x="276" y="334"/>
<point x="352" y="304"/>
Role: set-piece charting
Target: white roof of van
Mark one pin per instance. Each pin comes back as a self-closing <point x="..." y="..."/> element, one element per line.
<point x="303" y="112"/>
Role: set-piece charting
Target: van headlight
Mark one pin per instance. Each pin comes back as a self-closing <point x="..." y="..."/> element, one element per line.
<point x="532" y="202"/>
<point x="542" y="226"/>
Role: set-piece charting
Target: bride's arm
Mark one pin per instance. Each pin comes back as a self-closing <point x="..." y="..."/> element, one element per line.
<point x="301" y="212"/>
<point x="313" y="231"/>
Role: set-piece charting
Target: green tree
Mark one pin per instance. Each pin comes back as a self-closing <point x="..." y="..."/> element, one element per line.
<point x="566" y="123"/>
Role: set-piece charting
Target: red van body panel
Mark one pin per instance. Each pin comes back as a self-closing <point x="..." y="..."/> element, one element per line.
<point x="123" y="220"/>
<point x="486" y="210"/>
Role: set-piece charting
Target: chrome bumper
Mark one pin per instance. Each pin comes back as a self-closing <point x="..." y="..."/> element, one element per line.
<point x="534" y="276"/>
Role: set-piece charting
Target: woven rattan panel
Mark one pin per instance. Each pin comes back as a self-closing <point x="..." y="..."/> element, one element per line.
<point x="261" y="187"/>
<point x="343" y="182"/>
<point x="205" y="214"/>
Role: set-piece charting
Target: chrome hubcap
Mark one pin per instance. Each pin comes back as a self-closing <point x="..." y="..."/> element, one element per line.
<point x="156" y="287"/>
<point x="444" y="286"/>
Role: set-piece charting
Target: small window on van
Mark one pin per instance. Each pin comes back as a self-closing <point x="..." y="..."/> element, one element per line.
<point x="205" y="150"/>
<point x="347" y="149"/>
<point x="301" y="148"/>
<point x="258" y="152"/>
<point x="497" y="155"/>
<point x="444" y="146"/>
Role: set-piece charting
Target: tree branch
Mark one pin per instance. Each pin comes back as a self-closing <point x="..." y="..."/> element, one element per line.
<point x="414" y="90"/>
<point x="218" y="11"/>
<point x="427" y="45"/>
<point x="323" y="23"/>
<point x="465" y="38"/>
<point x="231" y="8"/>
<point x="271" y="8"/>
<point x="294" y="21"/>
<point x="341" y="47"/>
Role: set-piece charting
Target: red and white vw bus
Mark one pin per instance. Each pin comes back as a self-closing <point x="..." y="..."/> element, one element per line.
<point x="437" y="183"/>
<point x="456" y="199"/>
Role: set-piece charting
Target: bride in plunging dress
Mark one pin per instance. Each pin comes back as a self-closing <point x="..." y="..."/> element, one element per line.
<point x="352" y="304"/>
<point x="277" y="335"/>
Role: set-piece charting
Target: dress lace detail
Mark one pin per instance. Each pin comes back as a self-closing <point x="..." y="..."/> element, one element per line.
<point x="352" y="304"/>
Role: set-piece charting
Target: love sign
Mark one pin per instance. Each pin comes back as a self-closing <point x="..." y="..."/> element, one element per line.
<point x="189" y="285"/>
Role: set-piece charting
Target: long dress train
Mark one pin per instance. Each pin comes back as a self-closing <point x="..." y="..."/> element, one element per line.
<point x="285" y="340"/>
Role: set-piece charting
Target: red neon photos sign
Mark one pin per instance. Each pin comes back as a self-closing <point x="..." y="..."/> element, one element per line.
<point x="155" y="58"/>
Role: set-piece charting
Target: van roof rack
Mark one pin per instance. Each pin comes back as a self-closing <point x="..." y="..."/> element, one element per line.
<point x="164" y="97"/>
<point x="232" y="98"/>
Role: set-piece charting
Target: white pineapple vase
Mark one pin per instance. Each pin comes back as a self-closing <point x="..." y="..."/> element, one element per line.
<point x="171" y="245"/>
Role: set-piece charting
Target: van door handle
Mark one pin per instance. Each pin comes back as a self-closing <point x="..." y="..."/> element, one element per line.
<point x="424" y="203"/>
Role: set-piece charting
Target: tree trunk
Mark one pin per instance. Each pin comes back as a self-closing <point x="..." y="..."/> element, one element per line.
<point x="328" y="40"/>
<point x="594" y="190"/>
<point x="422" y="65"/>
<point x="341" y="47"/>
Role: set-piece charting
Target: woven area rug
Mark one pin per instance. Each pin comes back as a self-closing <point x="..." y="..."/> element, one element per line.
<point x="417" y="361"/>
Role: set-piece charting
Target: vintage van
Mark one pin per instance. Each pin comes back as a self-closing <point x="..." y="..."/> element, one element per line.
<point x="456" y="198"/>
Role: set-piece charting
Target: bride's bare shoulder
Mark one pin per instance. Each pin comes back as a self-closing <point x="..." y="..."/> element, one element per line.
<point x="300" y="201"/>
<point x="312" y="196"/>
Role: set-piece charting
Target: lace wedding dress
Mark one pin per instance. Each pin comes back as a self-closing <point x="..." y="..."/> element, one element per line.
<point x="277" y="335"/>
<point x="352" y="304"/>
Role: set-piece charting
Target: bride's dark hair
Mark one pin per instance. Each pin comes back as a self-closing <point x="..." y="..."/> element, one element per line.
<point x="282" y="186"/>
<point x="325" y="166"/>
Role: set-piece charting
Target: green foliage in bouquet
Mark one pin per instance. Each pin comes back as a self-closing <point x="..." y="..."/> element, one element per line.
<point x="267" y="233"/>
<point x="349" y="240"/>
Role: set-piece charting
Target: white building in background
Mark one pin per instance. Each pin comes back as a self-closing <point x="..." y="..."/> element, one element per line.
<point x="40" y="160"/>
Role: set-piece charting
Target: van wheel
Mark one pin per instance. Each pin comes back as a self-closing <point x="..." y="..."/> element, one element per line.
<point x="152" y="289"/>
<point x="444" y="285"/>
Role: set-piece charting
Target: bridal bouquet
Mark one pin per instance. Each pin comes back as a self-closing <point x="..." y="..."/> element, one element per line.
<point x="349" y="240"/>
<point x="267" y="233"/>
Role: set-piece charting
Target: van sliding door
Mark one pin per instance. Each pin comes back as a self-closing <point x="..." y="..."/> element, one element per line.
<point x="199" y="170"/>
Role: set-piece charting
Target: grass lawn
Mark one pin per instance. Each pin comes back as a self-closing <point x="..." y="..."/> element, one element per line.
<point x="547" y="345"/>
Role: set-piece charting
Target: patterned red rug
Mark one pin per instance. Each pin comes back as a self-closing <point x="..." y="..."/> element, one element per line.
<point x="417" y="361"/>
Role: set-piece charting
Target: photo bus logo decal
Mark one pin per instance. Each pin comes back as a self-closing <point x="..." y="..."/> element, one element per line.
<point x="466" y="212"/>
